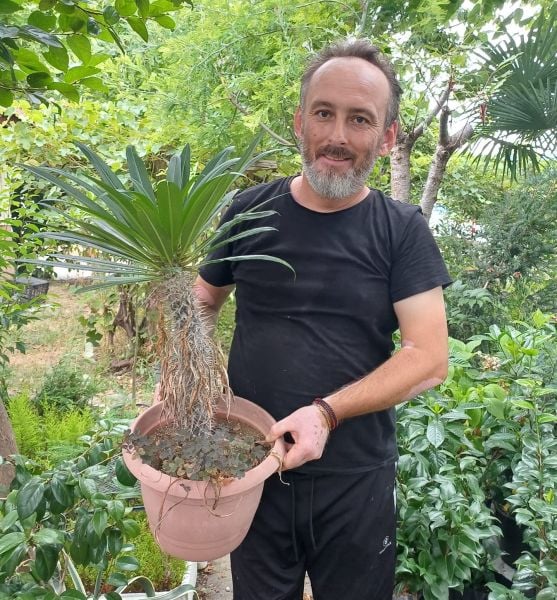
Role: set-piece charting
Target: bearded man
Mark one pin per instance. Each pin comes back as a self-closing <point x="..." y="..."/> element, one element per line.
<point x="316" y="350"/>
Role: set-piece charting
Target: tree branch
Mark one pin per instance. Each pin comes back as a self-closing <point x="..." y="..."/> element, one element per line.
<point x="440" y="102"/>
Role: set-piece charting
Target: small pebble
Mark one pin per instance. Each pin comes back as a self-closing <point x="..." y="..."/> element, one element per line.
<point x="227" y="588"/>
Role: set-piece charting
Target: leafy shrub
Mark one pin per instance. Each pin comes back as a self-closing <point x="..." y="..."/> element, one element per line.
<point x="62" y="432"/>
<point x="52" y="437"/>
<point x="65" y="387"/>
<point x="164" y="571"/>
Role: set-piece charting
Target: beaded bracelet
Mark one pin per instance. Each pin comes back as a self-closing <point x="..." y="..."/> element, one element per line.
<point x="332" y="418"/>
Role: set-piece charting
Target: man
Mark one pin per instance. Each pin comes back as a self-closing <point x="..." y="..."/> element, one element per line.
<point x="365" y="266"/>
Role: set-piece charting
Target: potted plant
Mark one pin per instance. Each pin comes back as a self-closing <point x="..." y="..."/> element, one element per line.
<point x="159" y="235"/>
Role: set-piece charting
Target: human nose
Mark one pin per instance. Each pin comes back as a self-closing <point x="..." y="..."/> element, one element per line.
<point x="337" y="134"/>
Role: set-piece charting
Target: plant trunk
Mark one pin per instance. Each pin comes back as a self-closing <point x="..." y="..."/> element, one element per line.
<point x="434" y="179"/>
<point x="400" y="170"/>
<point x="7" y="446"/>
<point x="193" y="376"/>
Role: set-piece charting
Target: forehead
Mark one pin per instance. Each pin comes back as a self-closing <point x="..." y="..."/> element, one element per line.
<point x="349" y="79"/>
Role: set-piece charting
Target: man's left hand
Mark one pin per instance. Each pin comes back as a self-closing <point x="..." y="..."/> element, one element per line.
<point x="308" y="428"/>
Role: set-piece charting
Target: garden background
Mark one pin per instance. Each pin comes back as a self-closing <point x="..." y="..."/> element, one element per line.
<point x="477" y="149"/>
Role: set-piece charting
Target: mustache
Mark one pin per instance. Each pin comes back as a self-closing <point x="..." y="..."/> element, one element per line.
<point x="335" y="152"/>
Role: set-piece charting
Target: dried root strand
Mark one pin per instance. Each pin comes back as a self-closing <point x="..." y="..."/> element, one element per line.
<point x="193" y="375"/>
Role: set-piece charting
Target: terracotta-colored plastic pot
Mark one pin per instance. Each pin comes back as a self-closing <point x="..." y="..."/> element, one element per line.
<point x="180" y="511"/>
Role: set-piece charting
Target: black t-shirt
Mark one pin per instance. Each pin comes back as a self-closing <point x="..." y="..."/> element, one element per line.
<point x="304" y="336"/>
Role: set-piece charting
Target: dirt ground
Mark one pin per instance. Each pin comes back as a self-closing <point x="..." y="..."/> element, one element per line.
<point x="57" y="334"/>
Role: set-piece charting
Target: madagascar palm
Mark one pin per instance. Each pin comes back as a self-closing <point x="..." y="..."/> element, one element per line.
<point x="520" y="123"/>
<point x="160" y="235"/>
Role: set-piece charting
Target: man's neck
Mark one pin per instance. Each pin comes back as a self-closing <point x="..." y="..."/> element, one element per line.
<point x="305" y="195"/>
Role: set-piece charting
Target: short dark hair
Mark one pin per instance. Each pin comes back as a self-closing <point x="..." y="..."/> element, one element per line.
<point x="356" y="48"/>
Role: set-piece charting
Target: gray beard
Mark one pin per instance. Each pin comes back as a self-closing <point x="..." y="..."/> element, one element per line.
<point x="333" y="186"/>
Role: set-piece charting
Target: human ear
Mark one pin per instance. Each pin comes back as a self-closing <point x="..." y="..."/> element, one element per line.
<point x="389" y="139"/>
<point x="298" y="122"/>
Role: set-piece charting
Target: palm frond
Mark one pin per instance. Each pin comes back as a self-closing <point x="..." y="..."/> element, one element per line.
<point x="521" y="118"/>
<point x="147" y="233"/>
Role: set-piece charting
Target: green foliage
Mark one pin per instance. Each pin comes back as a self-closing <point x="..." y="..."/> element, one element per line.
<point x="65" y="387"/>
<point x="52" y="45"/>
<point x="228" y="451"/>
<point x="150" y="233"/>
<point x="62" y="432"/>
<point x="164" y="571"/>
<point x="27" y="426"/>
<point x="53" y="520"/>
<point x="485" y="437"/>
<point x="50" y="437"/>
<point x="15" y="311"/>
<point x="521" y="123"/>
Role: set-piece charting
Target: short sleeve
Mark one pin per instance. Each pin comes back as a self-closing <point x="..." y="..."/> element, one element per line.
<point x="417" y="264"/>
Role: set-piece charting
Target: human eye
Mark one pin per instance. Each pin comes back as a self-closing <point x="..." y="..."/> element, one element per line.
<point x="360" y="120"/>
<point x="323" y="113"/>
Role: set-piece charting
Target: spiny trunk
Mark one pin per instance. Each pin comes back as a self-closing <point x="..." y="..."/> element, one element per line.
<point x="193" y="376"/>
<point x="7" y="446"/>
<point x="400" y="171"/>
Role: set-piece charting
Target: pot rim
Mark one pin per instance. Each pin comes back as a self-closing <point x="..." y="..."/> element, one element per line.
<point x="182" y="488"/>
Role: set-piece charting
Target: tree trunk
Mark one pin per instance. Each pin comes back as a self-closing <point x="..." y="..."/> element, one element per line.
<point x="7" y="447"/>
<point x="400" y="170"/>
<point x="446" y="146"/>
<point x="434" y="179"/>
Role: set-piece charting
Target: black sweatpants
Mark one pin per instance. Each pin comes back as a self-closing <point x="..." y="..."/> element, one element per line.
<point x="338" y="528"/>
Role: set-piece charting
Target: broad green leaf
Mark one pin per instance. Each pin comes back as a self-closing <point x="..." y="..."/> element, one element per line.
<point x="87" y="487"/>
<point x="166" y="21"/>
<point x="127" y="563"/>
<point x="100" y="520"/>
<point x="58" y="58"/>
<point x="27" y="59"/>
<point x="7" y="7"/>
<point x="125" y="8"/>
<point x="43" y="21"/>
<point x="10" y="540"/>
<point x="123" y="474"/>
<point x="94" y="83"/>
<point x="78" y="23"/>
<point x="76" y="73"/>
<point x="6" y="97"/>
<point x="46" y="558"/>
<point x="143" y="8"/>
<point x="115" y="541"/>
<point x="61" y="492"/>
<point x="130" y="528"/>
<point x="80" y="46"/>
<point x="116" y="509"/>
<point x="66" y="89"/>
<point x="39" y="80"/>
<point x="29" y="497"/>
<point x="46" y="536"/>
<point x="435" y="432"/>
<point x="8" y="520"/>
<point x="139" y="27"/>
<point x="36" y="34"/>
<point x="74" y="595"/>
<point x="111" y="15"/>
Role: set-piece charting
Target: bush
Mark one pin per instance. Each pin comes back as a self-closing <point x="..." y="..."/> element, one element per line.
<point x="65" y="387"/>
<point x="52" y="437"/>
<point x="164" y="571"/>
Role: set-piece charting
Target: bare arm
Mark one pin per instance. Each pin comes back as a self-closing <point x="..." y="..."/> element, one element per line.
<point x="210" y="299"/>
<point x="420" y="364"/>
